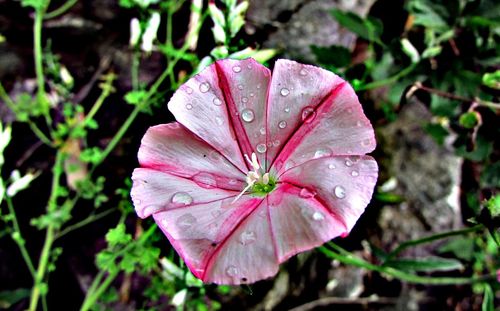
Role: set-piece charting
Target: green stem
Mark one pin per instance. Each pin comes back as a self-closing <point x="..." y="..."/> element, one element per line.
<point x="61" y="10"/>
<point x="107" y="88"/>
<point x="348" y="258"/>
<point x="38" y="54"/>
<point x="84" y="222"/>
<point x="19" y="239"/>
<point x="431" y="238"/>
<point x="49" y="235"/>
<point x="134" y="70"/>
<point x="390" y="80"/>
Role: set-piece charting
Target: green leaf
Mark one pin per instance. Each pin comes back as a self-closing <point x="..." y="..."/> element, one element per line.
<point x="436" y="131"/>
<point x="135" y="97"/>
<point x="369" y="29"/>
<point x="493" y="206"/>
<point x="36" y="4"/>
<point x="118" y="236"/>
<point x="488" y="298"/>
<point x="335" y="55"/>
<point x="462" y="248"/>
<point x="443" y="106"/>
<point x="10" y="297"/>
<point x="428" y="14"/>
<point x="427" y="264"/>
<point x="481" y="151"/>
<point x="492" y="80"/>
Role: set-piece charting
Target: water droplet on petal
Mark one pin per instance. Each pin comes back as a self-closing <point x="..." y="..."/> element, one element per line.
<point x="244" y="100"/>
<point x="262" y="131"/>
<point x="289" y="164"/>
<point x="251" y="94"/>
<point x="276" y="143"/>
<point x="185" y="221"/>
<point x="216" y="213"/>
<point x="322" y="152"/>
<point x="189" y="106"/>
<point x="284" y="92"/>
<point x="318" y="216"/>
<point x="348" y="163"/>
<point x="247" y="115"/>
<point x="258" y="86"/>
<point x="182" y="198"/>
<point x="306" y="193"/>
<point x="236" y="69"/>
<point x="308" y="114"/>
<point x="282" y="124"/>
<point x="303" y="72"/>
<point x="261" y="148"/>
<point x="240" y="87"/>
<point x="219" y="120"/>
<point x="287" y="110"/>
<point x="349" y="110"/>
<point x="205" y="180"/>
<point x="355" y="173"/>
<point x="204" y="87"/>
<point x="189" y="90"/>
<point x="160" y="146"/>
<point x="339" y="192"/>
<point x="217" y="101"/>
<point x="247" y="237"/>
<point x="331" y="166"/>
<point x="232" y="271"/>
<point x="359" y="123"/>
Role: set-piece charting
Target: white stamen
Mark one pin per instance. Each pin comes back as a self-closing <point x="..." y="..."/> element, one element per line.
<point x="265" y="178"/>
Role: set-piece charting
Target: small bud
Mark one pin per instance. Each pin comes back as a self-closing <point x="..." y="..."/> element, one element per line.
<point x="150" y="33"/>
<point x="135" y="32"/>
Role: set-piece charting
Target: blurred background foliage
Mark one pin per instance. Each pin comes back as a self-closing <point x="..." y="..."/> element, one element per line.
<point x="81" y="81"/>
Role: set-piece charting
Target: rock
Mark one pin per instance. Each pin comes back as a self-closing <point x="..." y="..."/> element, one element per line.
<point x="300" y="25"/>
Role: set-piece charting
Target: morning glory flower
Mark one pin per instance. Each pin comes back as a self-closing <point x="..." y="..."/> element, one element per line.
<point x="257" y="168"/>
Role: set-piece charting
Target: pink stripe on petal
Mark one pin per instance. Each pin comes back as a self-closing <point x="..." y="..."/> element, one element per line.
<point x="343" y="184"/>
<point x="247" y="255"/>
<point x="300" y="222"/>
<point x="200" y="106"/>
<point x="174" y="149"/>
<point x="154" y="191"/>
<point x="244" y="84"/>
<point x="295" y="89"/>
<point x="196" y="231"/>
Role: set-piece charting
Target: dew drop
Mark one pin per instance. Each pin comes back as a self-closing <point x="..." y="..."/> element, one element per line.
<point x="240" y="87"/>
<point x="308" y="114"/>
<point x="349" y="110"/>
<point x="348" y="163"/>
<point x="217" y="101"/>
<point x="232" y="271"/>
<point x="251" y="94"/>
<point x="289" y="164"/>
<point x="258" y="86"/>
<point x="276" y="143"/>
<point x="287" y="110"/>
<point x="216" y="213"/>
<point x="331" y="166"/>
<point x="303" y="72"/>
<point x="160" y="146"/>
<point x="247" y="237"/>
<point x="339" y="192"/>
<point x="318" y="216"/>
<point x="244" y="100"/>
<point x="247" y="115"/>
<point x="189" y="106"/>
<point x="204" y="87"/>
<point x="182" y="198"/>
<point x="284" y="92"/>
<point x="262" y="131"/>
<point x="354" y="173"/>
<point x="185" y="221"/>
<point x="205" y="180"/>
<point x="219" y="120"/>
<point x="237" y="69"/>
<point x="359" y="123"/>
<point x="282" y="124"/>
<point x="189" y="90"/>
<point x="306" y="193"/>
<point x="322" y="152"/>
<point x="261" y="148"/>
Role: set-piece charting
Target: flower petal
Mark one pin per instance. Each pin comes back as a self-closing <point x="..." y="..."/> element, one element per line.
<point x="172" y="148"/>
<point x="329" y="120"/>
<point x="248" y="254"/>
<point x="154" y="191"/>
<point x="200" y="106"/>
<point x="300" y="222"/>
<point x="343" y="184"/>
<point x="196" y="231"/>
<point x="244" y="84"/>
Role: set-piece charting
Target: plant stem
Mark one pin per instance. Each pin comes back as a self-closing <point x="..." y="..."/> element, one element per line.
<point x="348" y="258"/>
<point x="91" y="218"/>
<point x="49" y="235"/>
<point x="61" y="10"/>
<point x="390" y="80"/>
<point x="19" y="240"/>
<point x="431" y="238"/>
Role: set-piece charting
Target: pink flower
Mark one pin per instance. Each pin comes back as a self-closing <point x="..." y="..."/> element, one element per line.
<point x="292" y="145"/>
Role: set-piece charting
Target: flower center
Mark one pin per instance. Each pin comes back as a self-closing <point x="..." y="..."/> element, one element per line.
<point x="259" y="183"/>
